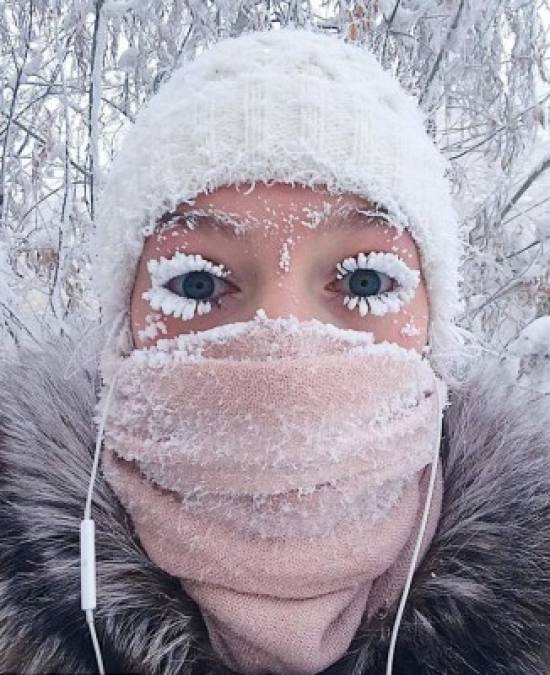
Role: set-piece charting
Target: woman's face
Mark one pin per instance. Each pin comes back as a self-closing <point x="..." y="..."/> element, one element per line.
<point x="278" y="250"/>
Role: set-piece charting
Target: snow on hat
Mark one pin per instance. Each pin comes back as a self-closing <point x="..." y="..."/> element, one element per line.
<point x="291" y="105"/>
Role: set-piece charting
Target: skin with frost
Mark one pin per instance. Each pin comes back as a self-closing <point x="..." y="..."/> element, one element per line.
<point x="281" y="246"/>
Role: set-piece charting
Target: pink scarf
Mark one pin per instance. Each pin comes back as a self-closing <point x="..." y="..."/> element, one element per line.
<point x="279" y="469"/>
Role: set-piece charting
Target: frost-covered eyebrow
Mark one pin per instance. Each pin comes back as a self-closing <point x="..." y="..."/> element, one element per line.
<point x="351" y="216"/>
<point x="205" y="217"/>
<point x="355" y="216"/>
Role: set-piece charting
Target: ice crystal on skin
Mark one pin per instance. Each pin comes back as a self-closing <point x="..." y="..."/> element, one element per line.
<point x="409" y="329"/>
<point x="163" y="270"/>
<point x="316" y="216"/>
<point x="153" y="327"/>
<point x="389" y="301"/>
<point x="284" y="261"/>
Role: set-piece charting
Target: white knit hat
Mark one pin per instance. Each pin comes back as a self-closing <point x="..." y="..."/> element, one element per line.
<point x="290" y="105"/>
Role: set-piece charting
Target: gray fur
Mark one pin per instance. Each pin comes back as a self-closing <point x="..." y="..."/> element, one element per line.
<point x="480" y="601"/>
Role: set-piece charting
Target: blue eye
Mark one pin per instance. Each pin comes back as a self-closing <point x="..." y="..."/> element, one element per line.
<point x="367" y="282"/>
<point x="198" y="285"/>
<point x="376" y="283"/>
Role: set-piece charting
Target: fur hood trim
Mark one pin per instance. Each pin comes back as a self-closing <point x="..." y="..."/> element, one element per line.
<point x="479" y="603"/>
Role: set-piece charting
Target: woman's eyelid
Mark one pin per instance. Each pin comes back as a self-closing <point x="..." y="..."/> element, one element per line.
<point x="165" y="268"/>
<point x="377" y="260"/>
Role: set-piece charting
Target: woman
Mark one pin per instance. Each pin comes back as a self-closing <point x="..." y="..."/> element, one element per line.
<point x="277" y="261"/>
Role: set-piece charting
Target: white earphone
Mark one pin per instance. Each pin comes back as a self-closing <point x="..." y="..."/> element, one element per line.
<point x="412" y="566"/>
<point x="88" y="598"/>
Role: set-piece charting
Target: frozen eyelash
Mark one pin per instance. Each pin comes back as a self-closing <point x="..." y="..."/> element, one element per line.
<point x="388" y="301"/>
<point x="163" y="270"/>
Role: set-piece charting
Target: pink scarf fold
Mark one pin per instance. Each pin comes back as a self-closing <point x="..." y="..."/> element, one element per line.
<point x="280" y="471"/>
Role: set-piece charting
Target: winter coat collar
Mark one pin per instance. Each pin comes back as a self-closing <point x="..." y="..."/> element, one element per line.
<point x="480" y="601"/>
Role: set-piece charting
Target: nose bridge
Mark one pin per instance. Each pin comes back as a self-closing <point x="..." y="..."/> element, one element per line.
<point x="279" y="296"/>
<point x="282" y="292"/>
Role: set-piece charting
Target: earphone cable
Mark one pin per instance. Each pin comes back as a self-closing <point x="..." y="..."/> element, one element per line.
<point x="412" y="566"/>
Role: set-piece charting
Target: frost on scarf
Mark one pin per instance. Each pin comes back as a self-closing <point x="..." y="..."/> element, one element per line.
<point x="278" y="426"/>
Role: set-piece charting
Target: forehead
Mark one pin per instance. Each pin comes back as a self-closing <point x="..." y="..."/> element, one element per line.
<point x="284" y="196"/>
<point x="248" y="207"/>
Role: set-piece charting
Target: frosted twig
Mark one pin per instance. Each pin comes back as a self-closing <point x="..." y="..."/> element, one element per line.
<point x="98" y="49"/>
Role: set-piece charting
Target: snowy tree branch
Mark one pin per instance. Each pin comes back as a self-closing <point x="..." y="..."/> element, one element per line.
<point x="526" y="184"/>
<point x="438" y="61"/>
<point x="98" y="47"/>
